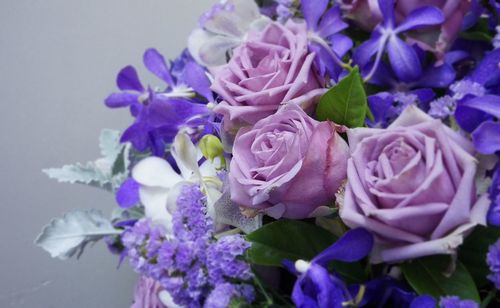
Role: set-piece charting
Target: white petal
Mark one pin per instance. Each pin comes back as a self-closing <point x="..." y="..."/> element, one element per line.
<point x="185" y="153"/>
<point x="155" y="172"/>
<point x="248" y="11"/>
<point x="480" y="210"/>
<point x="209" y="49"/>
<point x="213" y="195"/>
<point x="207" y="169"/>
<point x="154" y="200"/>
<point x="167" y="300"/>
<point x="173" y="194"/>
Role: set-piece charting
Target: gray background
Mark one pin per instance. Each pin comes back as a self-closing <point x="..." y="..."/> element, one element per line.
<point x="58" y="61"/>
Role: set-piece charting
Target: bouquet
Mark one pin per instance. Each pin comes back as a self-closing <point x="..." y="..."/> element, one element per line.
<point x="308" y="153"/>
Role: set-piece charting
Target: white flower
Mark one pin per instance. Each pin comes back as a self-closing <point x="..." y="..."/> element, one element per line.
<point x="160" y="185"/>
<point x="224" y="27"/>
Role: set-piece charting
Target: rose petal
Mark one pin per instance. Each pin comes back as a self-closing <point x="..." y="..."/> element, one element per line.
<point x="351" y="217"/>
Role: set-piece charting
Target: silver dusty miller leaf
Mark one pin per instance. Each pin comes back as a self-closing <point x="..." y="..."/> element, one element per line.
<point x="107" y="172"/>
<point x="66" y="237"/>
<point x="227" y="212"/>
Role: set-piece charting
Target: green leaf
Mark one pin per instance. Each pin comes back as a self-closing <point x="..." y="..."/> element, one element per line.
<point x="476" y="36"/>
<point x="345" y="103"/>
<point x="427" y="276"/>
<point x="473" y="252"/>
<point x="480" y="31"/>
<point x="287" y="239"/>
<point x="350" y="272"/>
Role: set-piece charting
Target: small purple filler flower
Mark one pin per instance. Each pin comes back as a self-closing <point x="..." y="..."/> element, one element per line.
<point x="493" y="260"/>
<point x="456" y="302"/>
<point x="192" y="266"/>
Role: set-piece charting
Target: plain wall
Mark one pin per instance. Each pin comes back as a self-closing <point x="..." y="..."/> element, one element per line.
<point x="58" y="61"/>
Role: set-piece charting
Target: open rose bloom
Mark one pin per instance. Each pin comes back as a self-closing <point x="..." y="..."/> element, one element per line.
<point x="287" y="165"/>
<point x="412" y="185"/>
<point x="314" y="136"/>
<point x="271" y="68"/>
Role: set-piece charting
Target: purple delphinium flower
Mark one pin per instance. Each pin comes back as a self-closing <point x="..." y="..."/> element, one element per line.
<point x="386" y="291"/>
<point x="326" y="41"/>
<point x="387" y="106"/>
<point x="434" y="75"/>
<point x="478" y="112"/>
<point x="493" y="260"/>
<point x="284" y="10"/>
<point x="315" y="286"/>
<point x="456" y="302"/>
<point x="496" y="39"/>
<point x="403" y="58"/>
<point x="423" y="301"/>
<point x="127" y="195"/>
<point x="190" y="264"/>
<point x="161" y="113"/>
<point x="494" y="192"/>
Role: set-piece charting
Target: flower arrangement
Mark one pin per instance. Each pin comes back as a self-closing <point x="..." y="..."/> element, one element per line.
<point x="308" y="153"/>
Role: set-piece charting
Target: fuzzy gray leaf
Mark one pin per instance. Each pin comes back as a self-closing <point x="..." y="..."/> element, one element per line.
<point x="109" y="143"/>
<point x="65" y="237"/>
<point x="88" y="174"/>
<point x="107" y="172"/>
<point x="229" y="213"/>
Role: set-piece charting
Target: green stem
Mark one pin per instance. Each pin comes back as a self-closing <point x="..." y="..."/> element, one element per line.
<point x="257" y="281"/>
<point x="491" y="295"/>
<point x="228" y="232"/>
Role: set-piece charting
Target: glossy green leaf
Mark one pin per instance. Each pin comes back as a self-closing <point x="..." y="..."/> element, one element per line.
<point x="429" y="276"/>
<point x="287" y="239"/>
<point x="345" y="103"/>
<point x="473" y="252"/>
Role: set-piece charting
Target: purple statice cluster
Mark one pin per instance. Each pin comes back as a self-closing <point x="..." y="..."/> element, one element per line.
<point x="284" y="10"/>
<point x="387" y="106"/>
<point x="493" y="260"/>
<point x="445" y="106"/>
<point x="456" y="302"/>
<point x="191" y="265"/>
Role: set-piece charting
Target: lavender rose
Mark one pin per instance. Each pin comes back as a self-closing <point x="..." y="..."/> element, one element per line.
<point x="288" y="164"/>
<point x="146" y="294"/>
<point x="273" y="66"/>
<point x="412" y="186"/>
<point x="367" y="14"/>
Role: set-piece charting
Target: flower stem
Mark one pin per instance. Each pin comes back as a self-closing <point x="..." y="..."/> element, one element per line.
<point x="491" y="295"/>
<point x="228" y="232"/>
<point x="269" y="300"/>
